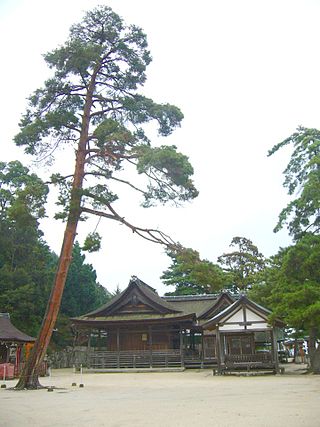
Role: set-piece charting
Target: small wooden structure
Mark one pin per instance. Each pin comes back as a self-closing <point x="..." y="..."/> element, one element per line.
<point x="11" y="342"/>
<point x="140" y="329"/>
<point x="245" y="339"/>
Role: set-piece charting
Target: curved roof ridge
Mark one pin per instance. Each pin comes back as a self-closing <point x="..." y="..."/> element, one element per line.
<point x="242" y="299"/>
<point x="222" y="297"/>
<point x="189" y="297"/>
<point x="8" y="332"/>
<point x="147" y="290"/>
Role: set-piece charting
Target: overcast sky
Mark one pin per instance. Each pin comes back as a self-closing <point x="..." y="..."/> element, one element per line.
<point x="244" y="73"/>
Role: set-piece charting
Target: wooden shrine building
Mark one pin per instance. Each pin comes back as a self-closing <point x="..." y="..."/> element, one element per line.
<point x="140" y="329"/>
<point x="12" y="341"/>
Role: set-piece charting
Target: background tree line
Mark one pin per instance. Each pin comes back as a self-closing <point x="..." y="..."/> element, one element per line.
<point x="27" y="265"/>
<point x="288" y="282"/>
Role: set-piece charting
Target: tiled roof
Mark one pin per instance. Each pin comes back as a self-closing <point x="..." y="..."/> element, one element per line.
<point x="193" y="303"/>
<point x="10" y="333"/>
<point x="179" y="307"/>
<point x="135" y="317"/>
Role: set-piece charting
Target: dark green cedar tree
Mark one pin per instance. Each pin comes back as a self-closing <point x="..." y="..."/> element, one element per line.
<point x="82" y="294"/>
<point x="26" y="268"/>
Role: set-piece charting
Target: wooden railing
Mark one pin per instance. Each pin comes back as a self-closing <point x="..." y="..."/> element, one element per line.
<point x="249" y="361"/>
<point x="249" y="358"/>
<point x="134" y="359"/>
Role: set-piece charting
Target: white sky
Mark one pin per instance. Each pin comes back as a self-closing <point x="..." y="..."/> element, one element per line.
<point x="244" y="73"/>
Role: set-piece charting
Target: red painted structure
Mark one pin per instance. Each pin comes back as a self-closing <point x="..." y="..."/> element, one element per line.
<point x="7" y="371"/>
<point x="12" y="341"/>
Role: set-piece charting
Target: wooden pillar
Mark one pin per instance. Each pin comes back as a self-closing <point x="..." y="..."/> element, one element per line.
<point x="150" y="344"/>
<point x="275" y="351"/>
<point x="218" y="350"/>
<point x="202" y="350"/>
<point x="118" y="348"/>
<point x="181" y="347"/>
<point x="89" y="350"/>
<point x="89" y="340"/>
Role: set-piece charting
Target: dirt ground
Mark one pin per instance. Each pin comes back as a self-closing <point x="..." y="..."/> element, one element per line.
<point x="190" y="398"/>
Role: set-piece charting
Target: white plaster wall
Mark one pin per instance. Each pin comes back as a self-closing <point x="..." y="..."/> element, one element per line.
<point x="263" y="325"/>
<point x="251" y="316"/>
<point x="235" y="327"/>
<point x="236" y="317"/>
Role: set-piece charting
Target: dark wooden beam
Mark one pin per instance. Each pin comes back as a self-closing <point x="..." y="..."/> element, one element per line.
<point x="218" y="350"/>
<point x="150" y="344"/>
<point x="202" y="350"/>
<point x="275" y="351"/>
<point x="118" y="347"/>
<point x="181" y="348"/>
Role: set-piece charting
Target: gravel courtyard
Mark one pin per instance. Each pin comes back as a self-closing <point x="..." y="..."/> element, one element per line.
<point x="190" y="398"/>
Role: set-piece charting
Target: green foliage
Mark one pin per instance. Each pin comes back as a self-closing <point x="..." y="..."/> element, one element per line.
<point x="21" y="193"/>
<point x="170" y="172"/>
<point x="27" y="266"/>
<point x="92" y="242"/>
<point x="290" y="285"/>
<point x="25" y="260"/>
<point x="302" y="179"/>
<point x="143" y="110"/>
<point x="112" y="135"/>
<point x="191" y="275"/>
<point x="92" y="104"/>
<point x="82" y="293"/>
<point x="116" y="292"/>
<point x="243" y="264"/>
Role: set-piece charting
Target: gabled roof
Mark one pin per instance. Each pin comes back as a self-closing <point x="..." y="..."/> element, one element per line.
<point x="10" y="333"/>
<point x="192" y="303"/>
<point x="204" y="306"/>
<point x="223" y="301"/>
<point x="139" y="303"/>
<point x="136" y="292"/>
<point x="243" y="300"/>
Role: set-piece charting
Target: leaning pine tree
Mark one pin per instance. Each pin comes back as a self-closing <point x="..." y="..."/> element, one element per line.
<point x="91" y="104"/>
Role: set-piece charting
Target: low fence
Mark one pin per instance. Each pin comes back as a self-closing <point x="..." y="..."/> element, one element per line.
<point x="103" y="359"/>
<point x="134" y="359"/>
<point x="249" y="361"/>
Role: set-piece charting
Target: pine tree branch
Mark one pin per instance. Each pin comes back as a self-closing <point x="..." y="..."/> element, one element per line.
<point x="152" y="235"/>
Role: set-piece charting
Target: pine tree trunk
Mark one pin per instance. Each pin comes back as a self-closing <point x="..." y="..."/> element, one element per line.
<point x="29" y="378"/>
